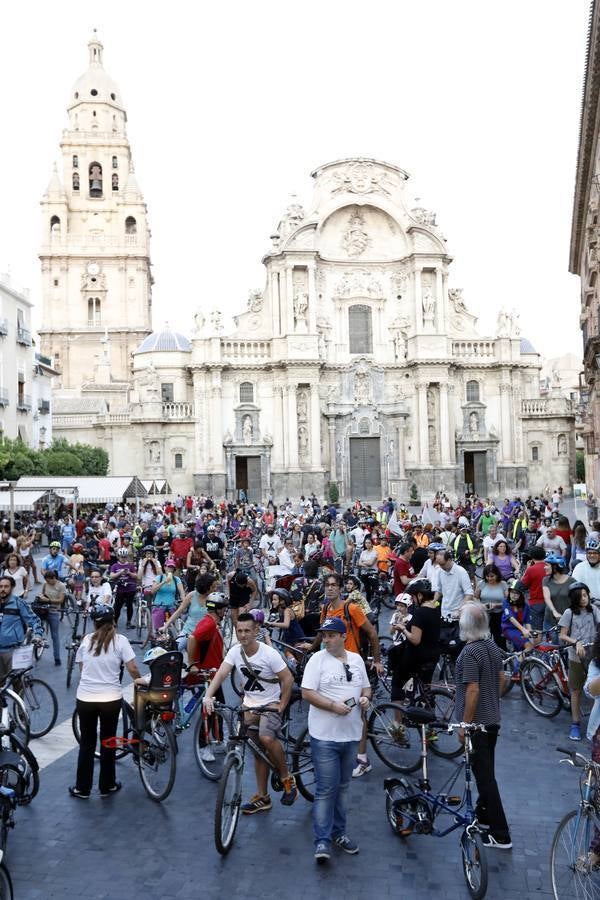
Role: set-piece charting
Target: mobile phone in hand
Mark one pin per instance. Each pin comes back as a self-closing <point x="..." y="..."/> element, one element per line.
<point x="350" y="702"/>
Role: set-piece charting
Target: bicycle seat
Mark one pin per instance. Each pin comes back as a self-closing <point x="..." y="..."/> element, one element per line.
<point x="420" y="715"/>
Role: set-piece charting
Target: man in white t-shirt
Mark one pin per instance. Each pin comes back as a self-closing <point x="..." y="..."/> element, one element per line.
<point x="336" y="685"/>
<point x="270" y="544"/>
<point x="267" y="689"/>
<point x="493" y="535"/>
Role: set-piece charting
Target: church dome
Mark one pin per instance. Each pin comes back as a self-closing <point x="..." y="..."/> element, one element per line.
<point x="165" y="341"/>
<point x="96" y="85"/>
<point x="527" y="346"/>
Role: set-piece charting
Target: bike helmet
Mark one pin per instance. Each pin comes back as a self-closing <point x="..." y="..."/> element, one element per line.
<point x="216" y="600"/>
<point x="170" y="564"/>
<point x="283" y="594"/>
<point x="149" y="548"/>
<point x="54" y="544"/>
<point x="404" y="598"/>
<point x="258" y="616"/>
<point x="554" y="560"/>
<point x="420" y="586"/>
<point x="516" y="585"/>
<point x="102" y="613"/>
<point x="435" y="546"/>
<point x="152" y="654"/>
<point x="590" y="544"/>
<point x="77" y="548"/>
<point x="123" y="551"/>
<point x="578" y="586"/>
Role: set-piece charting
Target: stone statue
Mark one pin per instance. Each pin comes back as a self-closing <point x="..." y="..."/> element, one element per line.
<point x="474" y="423"/>
<point x="154" y="452"/>
<point x="515" y="322"/>
<point x="255" y="301"/>
<point x="555" y="383"/>
<point x="198" y="322"/>
<point x="455" y="295"/>
<point x="361" y="387"/>
<point x="228" y="439"/>
<point x="562" y="445"/>
<point x="216" y="320"/>
<point x="430" y="404"/>
<point x="247" y="430"/>
<point x="303" y="442"/>
<point x="302" y="407"/>
<point x="150" y="380"/>
<point x="423" y="216"/>
<point x="428" y="305"/>
<point x="300" y="307"/>
<point x="355" y="239"/>
<point x="503" y="324"/>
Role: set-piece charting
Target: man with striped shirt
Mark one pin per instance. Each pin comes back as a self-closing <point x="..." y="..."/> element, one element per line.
<point x="479" y="685"/>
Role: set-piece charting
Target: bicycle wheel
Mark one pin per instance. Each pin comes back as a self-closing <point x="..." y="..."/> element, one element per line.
<point x="42" y="705"/>
<point x="474" y="863"/>
<point x="442" y="743"/>
<point x="303" y="768"/>
<point x="395" y="740"/>
<point x="572" y="870"/>
<point x="6" y="888"/>
<point x="70" y="665"/>
<point x="143" y="621"/>
<point x="122" y="731"/>
<point x="23" y="777"/>
<point x="511" y="675"/>
<point x="541" y="688"/>
<point x="218" y="725"/>
<point x="19" y="715"/>
<point x="157" y="760"/>
<point x="227" y="807"/>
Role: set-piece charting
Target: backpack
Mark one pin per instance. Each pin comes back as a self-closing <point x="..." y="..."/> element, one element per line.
<point x="361" y="641"/>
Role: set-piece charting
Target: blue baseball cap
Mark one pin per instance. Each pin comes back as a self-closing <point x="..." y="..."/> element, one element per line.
<point x="333" y="625"/>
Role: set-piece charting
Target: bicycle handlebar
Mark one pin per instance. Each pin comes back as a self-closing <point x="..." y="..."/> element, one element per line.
<point x="465" y="726"/>
<point x="575" y="758"/>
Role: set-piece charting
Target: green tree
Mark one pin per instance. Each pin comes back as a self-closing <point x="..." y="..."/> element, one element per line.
<point x="334" y="494"/>
<point x="62" y="458"/>
<point x="61" y="462"/>
<point x="93" y="459"/>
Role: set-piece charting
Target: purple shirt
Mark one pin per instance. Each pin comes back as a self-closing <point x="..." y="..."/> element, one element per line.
<point x="125" y="585"/>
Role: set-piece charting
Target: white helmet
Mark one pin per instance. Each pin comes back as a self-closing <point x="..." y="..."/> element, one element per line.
<point x="122" y="551"/>
<point x="152" y="654"/>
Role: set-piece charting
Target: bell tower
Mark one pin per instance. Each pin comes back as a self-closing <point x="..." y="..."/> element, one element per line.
<point x="95" y="247"/>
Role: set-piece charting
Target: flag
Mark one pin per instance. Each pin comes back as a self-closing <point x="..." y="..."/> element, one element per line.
<point x="393" y="525"/>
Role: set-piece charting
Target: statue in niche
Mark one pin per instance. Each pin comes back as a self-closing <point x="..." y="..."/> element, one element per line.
<point x="428" y="305"/>
<point x="154" y="452"/>
<point x="361" y="387"/>
<point x="562" y="445"/>
<point x="302" y="407"/>
<point x="300" y="307"/>
<point x="430" y="404"/>
<point x="150" y="380"/>
<point x="474" y="423"/>
<point x="432" y="442"/>
<point x="247" y="430"/>
<point x="400" y="346"/>
<point x="355" y="240"/>
<point x="303" y="442"/>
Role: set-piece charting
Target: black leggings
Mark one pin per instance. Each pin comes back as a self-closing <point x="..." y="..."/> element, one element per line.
<point x="124" y="600"/>
<point x="89" y="713"/>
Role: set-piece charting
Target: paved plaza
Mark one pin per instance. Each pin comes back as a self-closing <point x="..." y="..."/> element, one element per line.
<point x="127" y="846"/>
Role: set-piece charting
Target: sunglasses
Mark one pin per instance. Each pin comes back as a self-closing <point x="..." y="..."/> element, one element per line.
<point x="348" y="672"/>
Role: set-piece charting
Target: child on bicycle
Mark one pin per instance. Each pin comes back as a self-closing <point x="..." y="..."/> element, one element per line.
<point x="516" y="618"/>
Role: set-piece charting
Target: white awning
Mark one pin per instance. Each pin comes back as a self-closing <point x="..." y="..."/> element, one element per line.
<point x="90" y="488"/>
<point x="23" y="500"/>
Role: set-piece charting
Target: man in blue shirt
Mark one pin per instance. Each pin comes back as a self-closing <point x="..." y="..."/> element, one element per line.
<point x="15" y="618"/>
<point x="67" y="535"/>
<point x="54" y="561"/>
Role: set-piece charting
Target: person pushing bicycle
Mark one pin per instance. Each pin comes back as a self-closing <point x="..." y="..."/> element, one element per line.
<point x="267" y="689"/>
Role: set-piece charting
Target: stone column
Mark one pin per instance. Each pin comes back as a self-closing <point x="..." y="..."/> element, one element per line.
<point x="289" y="300"/>
<point x="439" y="306"/>
<point x="418" y="302"/>
<point x="312" y="300"/>
<point x="421" y="387"/>
<point x="506" y="432"/>
<point x="199" y="417"/>
<point x="216" y="422"/>
<point x="278" y="430"/>
<point x="451" y="424"/>
<point x="332" y="454"/>
<point x="315" y="427"/>
<point x="401" y="432"/>
<point x="292" y="426"/>
<point x="444" y="425"/>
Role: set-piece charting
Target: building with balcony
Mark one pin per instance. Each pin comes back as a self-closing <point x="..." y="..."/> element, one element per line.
<point x="22" y="378"/>
<point x="357" y="363"/>
<point x="584" y="259"/>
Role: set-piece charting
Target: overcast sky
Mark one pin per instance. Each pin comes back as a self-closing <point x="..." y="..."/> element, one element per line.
<point x="231" y="105"/>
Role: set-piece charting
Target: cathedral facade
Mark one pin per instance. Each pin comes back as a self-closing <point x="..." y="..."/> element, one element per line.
<point x="358" y="362"/>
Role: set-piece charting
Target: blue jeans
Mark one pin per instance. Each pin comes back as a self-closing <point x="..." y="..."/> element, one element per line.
<point x="53" y="622"/>
<point x="333" y="762"/>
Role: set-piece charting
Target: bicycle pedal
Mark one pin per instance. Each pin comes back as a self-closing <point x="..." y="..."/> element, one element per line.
<point x="454" y="801"/>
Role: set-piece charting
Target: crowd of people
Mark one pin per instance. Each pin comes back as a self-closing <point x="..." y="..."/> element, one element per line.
<point x="470" y="579"/>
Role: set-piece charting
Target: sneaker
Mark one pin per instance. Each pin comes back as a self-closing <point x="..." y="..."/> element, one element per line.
<point x="218" y="746"/>
<point x="79" y="794"/>
<point x="575" y="732"/>
<point x="322" y="854"/>
<point x="343" y="842"/>
<point x="113" y="790"/>
<point x="206" y="754"/>
<point x="57" y="662"/>
<point x="256" y="804"/>
<point x="488" y="840"/>
<point x="361" y="768"/>
<point x="290" y="791"/>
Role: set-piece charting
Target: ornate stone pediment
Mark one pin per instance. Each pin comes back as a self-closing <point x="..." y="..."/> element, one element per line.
<point x="360" y="178"/>
<point x="359" y="283"/>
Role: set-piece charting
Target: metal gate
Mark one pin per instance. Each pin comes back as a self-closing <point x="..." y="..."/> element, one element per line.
<point x="365" y="468"/>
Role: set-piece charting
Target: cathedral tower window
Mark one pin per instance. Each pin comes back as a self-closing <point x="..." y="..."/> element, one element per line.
<point x="130" y="225"/>
<point x="360" y="329"/>
<point x="115" y="162"/>
<point x="167" y="393"/>
<point x="94" y="311"/>
<point x="75" y="181"/>
<point x="472" y="392"/>
<point x="178" y="461"/>
<point x="55" y="225"/>
<point x="246" y="392"/>
<point x="75" y="162"/>
<point x="115" y="182"/>
<point x="95" y="178"/>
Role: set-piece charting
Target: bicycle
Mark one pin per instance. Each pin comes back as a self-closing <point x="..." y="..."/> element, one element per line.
<point x="19" y="769"/>
<point x="142" y="617"/>
<point x="229" y="795"/>
<point x="73" y="646"/>
<point x="189" y="700"/>
<point x="7" y="807"/>
<point x="544" y="680"/>
<point x="37" y="696"/>
<point x="574" y="868"/>
<point x="414" y="808"/>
